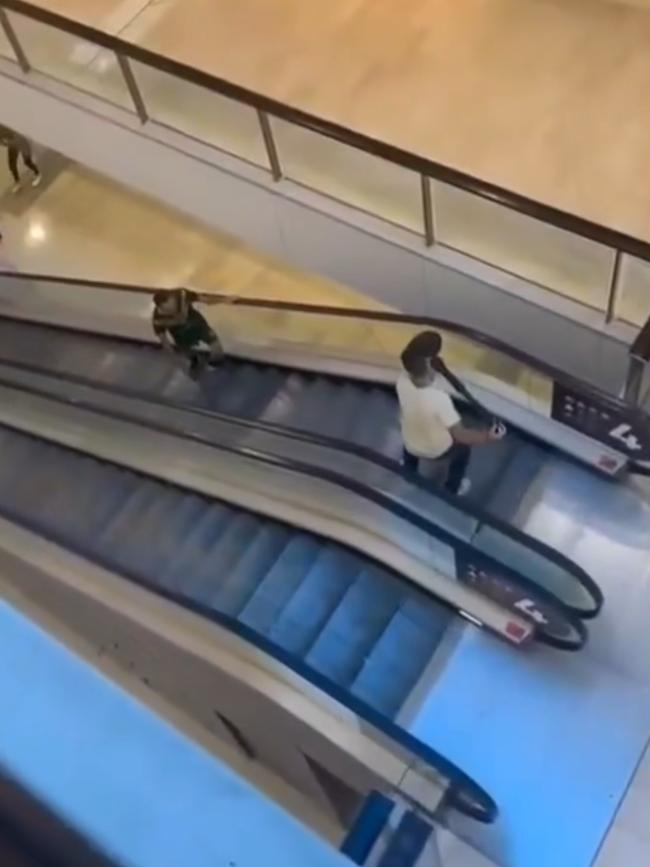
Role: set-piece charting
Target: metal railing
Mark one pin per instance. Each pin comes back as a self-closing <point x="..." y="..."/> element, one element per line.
<point x="604" y="269"/>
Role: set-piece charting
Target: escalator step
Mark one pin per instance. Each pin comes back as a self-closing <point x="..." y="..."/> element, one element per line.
<point x="283" y="579"/>
<point x="355" y="625"/>
<point x="239" y="584"/>
<point x="316" y="597"/>
<point x="397" y="660"/>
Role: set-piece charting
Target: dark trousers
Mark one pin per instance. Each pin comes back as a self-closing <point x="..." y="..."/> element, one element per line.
<point x="452" y="466"/>
<point x="13" y="154"/>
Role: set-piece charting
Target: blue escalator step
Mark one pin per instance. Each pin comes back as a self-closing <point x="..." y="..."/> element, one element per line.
<point x="199" y="541"/>
<point x="238" y="585"/>
<point x="231" y="545"/>
<point x="355" y="625"/>
<point x="319" y="593"/>
<point x="135" y="542"/>
<point x="283" y="579"/>
<point x="396" y="662"/>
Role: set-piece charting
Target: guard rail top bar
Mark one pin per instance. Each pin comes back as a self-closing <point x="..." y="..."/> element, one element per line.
<point x="463" y="505"/>
<point x="464" y="794"/>
<point x="399" y="510"/>
<point x="544" y="213"/>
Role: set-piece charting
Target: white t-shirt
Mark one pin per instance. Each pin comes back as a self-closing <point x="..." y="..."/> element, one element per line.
<point x="426" y="416"/>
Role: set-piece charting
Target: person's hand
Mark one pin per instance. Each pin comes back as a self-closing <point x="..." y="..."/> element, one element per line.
<point x="497" y="431"/>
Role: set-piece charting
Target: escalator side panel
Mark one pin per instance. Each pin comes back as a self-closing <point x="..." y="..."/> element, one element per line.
<point x="323" y="603"/>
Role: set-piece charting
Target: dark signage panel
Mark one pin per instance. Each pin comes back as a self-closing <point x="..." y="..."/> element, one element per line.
<point x="620" y="428"/>
<point x="485" y="578"/>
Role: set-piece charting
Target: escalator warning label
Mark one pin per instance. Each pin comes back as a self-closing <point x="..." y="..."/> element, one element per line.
<point x="517" y="631"/>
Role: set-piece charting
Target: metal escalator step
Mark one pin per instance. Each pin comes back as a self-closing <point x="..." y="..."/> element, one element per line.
<point x="173" y="529"/>
<point x="281" y="582"/>
<point x="318" y="594"/>
<point x="142" y="495"/>
<point x="347" y="403"/>
<point x="378" y="424"/>
<point x="235" y="388"/>
<point x="311" y="405"/>
<point x="132" y="542"/>
<point x="355" y="625"/>
<point x="289" y="390"/>
<point x="396" y="662"/>
<point x="205" y="579"/>
<point x="239" y="584"/>
<point x="199" y="541"/>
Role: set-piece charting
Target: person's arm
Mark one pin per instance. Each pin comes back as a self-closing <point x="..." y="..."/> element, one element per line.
<point x="448" y="414"/>
<point x="163" y="336"/>
<point x="469" y="436"/>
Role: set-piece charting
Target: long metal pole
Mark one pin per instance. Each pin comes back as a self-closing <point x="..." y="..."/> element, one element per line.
<point x="269" y="144"/>
<point x="132" y="86"/>
<point x="427" y="211"/>
<point x="614" y="287"/>
<point x="13" y="40"/>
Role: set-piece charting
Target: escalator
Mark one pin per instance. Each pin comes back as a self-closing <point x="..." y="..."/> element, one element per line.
<point x="350" y="626"/>
<point x="351" y="415"/>
<point x="356" y="623"/>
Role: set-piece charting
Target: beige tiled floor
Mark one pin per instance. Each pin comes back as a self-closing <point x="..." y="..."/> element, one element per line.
<point x="546" y="97"/>
<point x="80" y="224"/>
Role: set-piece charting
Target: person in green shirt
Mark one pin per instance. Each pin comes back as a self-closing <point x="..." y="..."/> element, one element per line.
<point x="181" y="328"/>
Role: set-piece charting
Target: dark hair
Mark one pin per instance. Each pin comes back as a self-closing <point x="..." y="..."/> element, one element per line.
<point x="160" y="296"/>
<point x="421" y="348"/>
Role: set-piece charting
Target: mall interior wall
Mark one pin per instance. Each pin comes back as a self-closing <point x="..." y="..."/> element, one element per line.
<point x="301" y="227"/>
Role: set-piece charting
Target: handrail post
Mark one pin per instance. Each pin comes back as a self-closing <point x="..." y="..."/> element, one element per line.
<point x="614" y="288"/>
<point x="13" y="40"/>
<point x="269" y="144"/>
<point x="427" y="211"/>
<point x="132" y="86"/>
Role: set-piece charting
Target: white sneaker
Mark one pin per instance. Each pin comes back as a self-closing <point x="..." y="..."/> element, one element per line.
<point x="37" y="179"/>
<point x="16" y="188"/>
<point x="465" y="488"/>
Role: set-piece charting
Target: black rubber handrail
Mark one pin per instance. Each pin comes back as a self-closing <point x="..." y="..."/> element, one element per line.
<point x="609" y="237"/>
<point x="466" y="795"/>
<point x="380" y="499"/>
<point x="460" y="504"/>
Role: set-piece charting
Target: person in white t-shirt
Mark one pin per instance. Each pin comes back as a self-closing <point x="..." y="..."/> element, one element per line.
<point x="435" y="439"/>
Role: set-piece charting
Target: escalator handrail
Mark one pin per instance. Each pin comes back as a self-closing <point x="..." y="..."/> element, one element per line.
<point x="484" y="808"/>
<point x="470" y="333"/>
<point x="384" y="501"/>
<point x="462" y="505"/>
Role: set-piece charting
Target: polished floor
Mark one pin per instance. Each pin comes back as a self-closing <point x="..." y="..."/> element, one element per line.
<point x="541" y="96"/>
<point x="79" y="224"/>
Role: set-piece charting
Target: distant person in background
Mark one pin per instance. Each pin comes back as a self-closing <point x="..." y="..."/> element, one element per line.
<point x="18" y="147"/>
<point x="5" y="264"/>
<point x="181" y="328"/>
<point x="436" y="442"/>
